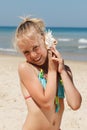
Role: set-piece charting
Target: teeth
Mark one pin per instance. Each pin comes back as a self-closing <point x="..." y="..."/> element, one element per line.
<point x="37" y="59"/>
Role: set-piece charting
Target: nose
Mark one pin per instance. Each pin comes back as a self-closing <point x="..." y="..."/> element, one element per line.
<point x="33" y="54"/>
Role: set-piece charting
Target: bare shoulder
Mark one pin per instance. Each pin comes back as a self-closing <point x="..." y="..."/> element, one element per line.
<point x="22" y="66"/>
<point x="26" y="69"/>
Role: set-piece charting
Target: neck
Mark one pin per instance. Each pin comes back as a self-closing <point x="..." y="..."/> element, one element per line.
<point x="44" y="66"/>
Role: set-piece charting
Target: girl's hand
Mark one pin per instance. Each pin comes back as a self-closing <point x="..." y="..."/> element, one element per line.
<point x="58" y="58"/>
<point x="52" y="64"/>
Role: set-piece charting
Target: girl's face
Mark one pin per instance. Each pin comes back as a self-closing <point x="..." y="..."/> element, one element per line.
<point x="34" y="49"/>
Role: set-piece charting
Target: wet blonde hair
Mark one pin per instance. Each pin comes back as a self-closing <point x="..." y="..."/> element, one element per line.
<point x="27" y="28"/>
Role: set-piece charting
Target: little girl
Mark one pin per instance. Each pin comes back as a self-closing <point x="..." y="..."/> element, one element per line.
<point x="43" y="77"/>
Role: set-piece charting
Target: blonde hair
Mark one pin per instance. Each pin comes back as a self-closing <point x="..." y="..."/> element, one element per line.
<point x="27" y="28"/>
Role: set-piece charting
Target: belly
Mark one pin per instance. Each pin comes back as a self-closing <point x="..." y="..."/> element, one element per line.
<point x="37" y="121"/>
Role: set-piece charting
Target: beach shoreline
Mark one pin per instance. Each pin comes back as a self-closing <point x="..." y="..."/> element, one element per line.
<point x="12" y="104"/>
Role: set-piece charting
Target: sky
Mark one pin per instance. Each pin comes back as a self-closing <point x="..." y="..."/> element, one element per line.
<point x="58" y="13"/>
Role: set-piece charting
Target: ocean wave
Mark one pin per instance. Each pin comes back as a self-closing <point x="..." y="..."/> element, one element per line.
<point x="8" y="51"/>
<point x="64" y="39"/>
<point x="82" y="40"/>
<point x="82" y="47"/>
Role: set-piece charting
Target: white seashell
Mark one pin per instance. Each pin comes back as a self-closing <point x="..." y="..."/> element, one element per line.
<point x="49" y="39"/>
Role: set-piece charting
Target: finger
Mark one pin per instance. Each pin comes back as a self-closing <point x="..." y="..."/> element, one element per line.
<point x="59" y="55"/>
<point x="56" y="53"/>
<point x="60" y="60"/>
<point x="49" y="53"/>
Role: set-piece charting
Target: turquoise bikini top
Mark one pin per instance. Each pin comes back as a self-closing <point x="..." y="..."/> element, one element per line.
<point x="60" y="91"/>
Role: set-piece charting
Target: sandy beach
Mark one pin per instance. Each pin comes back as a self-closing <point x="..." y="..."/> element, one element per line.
<point x="12" y="105"/>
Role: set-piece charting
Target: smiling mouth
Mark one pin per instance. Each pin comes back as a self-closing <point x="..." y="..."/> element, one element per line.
<point x="38" y="59"/>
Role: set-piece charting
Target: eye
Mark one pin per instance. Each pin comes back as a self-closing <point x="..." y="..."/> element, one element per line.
<point x="26" y="52"/>
<point x="36" y="48"/>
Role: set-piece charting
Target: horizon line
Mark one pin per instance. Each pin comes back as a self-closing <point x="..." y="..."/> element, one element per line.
<point x="47" y="26"/>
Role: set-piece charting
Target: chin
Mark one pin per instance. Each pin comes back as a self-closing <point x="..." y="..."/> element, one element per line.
<point x="40" y="64"/>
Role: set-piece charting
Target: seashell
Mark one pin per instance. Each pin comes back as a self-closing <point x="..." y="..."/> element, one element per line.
<point x="49" y="39"/>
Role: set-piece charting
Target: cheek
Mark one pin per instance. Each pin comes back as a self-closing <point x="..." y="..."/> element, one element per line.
<point x="44" y="52"/>
<point x="28" y="58"/>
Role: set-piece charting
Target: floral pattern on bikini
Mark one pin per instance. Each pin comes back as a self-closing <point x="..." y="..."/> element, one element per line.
<point x="43" y="81"/>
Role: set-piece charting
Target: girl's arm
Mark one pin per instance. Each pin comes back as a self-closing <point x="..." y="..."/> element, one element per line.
<point x="44" y="98"/>
<point x="72" y="94"/>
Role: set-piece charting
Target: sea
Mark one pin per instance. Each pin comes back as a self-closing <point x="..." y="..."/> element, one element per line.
<point x="72" y="41"/>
